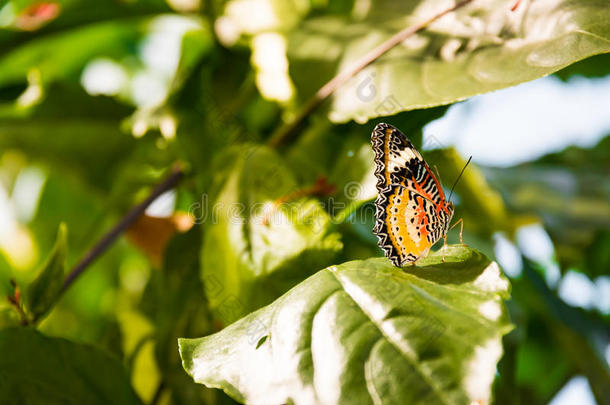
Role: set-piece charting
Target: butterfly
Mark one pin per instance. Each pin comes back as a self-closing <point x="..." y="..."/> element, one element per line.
<point x="411" y="210"/>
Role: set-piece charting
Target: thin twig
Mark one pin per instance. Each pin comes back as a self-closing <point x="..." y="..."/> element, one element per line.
<point x="15" y="301"/>
<point x="107" y="240"/>
<point x="285" y="132"/>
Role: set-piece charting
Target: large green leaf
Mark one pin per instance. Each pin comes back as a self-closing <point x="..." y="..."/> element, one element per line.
<point x="366" y="332"/>
<point x="255" y="250"/>
<point x="482" y="47"/>
<point x="38" y="369"/>
<point x="46" y="288"/>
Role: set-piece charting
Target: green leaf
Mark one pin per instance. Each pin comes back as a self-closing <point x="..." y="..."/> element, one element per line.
<point x="43" y="292"/>
<point x="255" y="250"/>
<point x="595" y="66"/>
<point x="40" y="369"/>
<point x="480" y="48"/>
<point x="364" y="331"/>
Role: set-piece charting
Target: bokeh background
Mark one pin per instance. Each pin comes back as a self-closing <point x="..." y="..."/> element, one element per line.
<point x="99" y="99"/>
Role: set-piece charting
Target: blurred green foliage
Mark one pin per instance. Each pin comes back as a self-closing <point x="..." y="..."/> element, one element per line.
<point x="99" y="100"/>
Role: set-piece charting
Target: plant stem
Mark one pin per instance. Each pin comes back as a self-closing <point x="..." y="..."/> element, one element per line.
<point x="286" y="132"/>
<point x="109" y="238"/>
<point x="16" y="303"/>
<point x="158" y="393"/>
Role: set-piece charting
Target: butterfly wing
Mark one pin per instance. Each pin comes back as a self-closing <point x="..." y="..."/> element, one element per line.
<point x="411" y="210"/>
<point x="407" y="224"/>
<point x="395" y="157"/>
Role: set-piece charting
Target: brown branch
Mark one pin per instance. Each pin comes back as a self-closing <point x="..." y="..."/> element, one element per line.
<point x="109" y="238"/>
<point x="287" y="131"/>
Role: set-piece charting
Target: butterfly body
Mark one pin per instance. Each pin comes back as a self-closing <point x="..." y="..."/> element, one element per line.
<point x="412" y="212"/>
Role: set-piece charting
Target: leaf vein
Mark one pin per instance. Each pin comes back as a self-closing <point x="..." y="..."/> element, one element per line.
<point x="426" y="378"/>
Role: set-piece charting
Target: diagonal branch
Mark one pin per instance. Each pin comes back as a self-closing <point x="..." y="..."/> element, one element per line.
<point x="286" y="132"/>
<point x="128" y="220"/>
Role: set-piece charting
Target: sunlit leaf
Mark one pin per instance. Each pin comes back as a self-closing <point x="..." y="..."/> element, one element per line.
<point x="482" y="47"/>
<point x="366" y="332"/>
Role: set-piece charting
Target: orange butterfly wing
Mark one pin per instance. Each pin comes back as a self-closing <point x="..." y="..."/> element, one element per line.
<point x="411" y="210"/>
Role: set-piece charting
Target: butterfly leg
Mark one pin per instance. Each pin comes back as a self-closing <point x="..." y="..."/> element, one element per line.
<point x="421" y="256"/>
<point x="444" y="247"/>
<point x="461" y="222"/>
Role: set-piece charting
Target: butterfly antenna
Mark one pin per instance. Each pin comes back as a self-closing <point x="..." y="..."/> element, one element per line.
<point x="437" y="173"/>
<point x="458" y="177"/>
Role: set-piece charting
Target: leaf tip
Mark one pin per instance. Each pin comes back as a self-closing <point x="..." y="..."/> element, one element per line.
<point x="62" y="231"/>
<point x="185" y="355"/>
